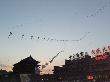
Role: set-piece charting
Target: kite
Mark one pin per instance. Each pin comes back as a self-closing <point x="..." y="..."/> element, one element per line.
<point x="51" y="39"/>
<point x="38" y="37"/>
<point x="46" y="63"/>
<point x="44" y="66"/>
<point x="10" y="34"/>
<point x="22" y="37"/>
<point x="43" y="38"/>
<point x="31" y="37"/>
<point x="55" y="57"/>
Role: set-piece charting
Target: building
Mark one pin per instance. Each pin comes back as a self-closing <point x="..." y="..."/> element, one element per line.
<point x="100" y="68"/>
<point x="27" y="66"/>
<point x="5" y="76"/>
<point x="84" y="68"/>
<point x="27" y="70"/>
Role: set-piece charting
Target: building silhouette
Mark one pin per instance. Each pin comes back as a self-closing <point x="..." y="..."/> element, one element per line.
<point x="85" y="69"/>
<point x="27" y="66"/>
<point x="26" y="70"/>
<point x="82" y="68"/>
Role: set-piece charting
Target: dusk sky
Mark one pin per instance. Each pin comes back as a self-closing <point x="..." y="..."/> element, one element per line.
<point x="55" y="19"/>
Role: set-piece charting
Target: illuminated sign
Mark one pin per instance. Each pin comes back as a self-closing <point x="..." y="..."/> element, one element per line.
<point x="101" y="57"/>
<point x="90" y="77"/>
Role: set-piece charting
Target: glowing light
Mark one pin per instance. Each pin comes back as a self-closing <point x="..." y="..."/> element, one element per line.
<point x="101" y="57"/>
<point x="90" y="77"/>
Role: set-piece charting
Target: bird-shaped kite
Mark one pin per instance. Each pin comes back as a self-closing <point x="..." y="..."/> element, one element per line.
<point x="10" y="34"/>
<point x="44" y="66"/>
<point x="31" y="37"/>
<point x="22" y="37"/>
<point x="51" y="39"/>
<point x="46" y="63"/>
<point x="38" y="37"/>
<point x="43" y="38"/>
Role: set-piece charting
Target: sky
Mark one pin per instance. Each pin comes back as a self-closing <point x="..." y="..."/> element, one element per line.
<point x="53" y="19"/>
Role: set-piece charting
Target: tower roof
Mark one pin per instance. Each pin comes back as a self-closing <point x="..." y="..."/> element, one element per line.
<point x="28" y="60"/>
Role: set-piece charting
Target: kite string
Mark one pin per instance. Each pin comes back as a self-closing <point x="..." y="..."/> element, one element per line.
<point x="84" y="36"/>
<point x="99" y="10"/>
<point x="47" y="39"/>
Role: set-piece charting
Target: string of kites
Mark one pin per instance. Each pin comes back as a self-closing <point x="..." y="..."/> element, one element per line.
<point x="48" y="39"/>
<point x="99" y="10"/>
